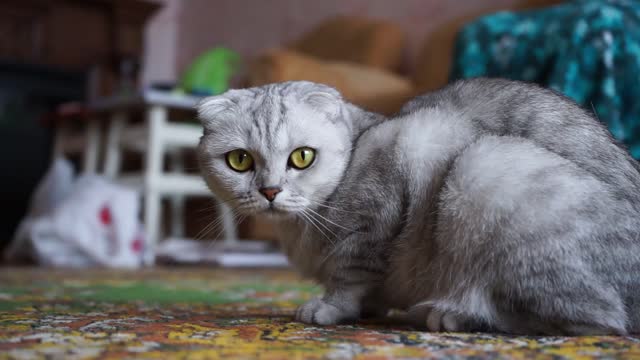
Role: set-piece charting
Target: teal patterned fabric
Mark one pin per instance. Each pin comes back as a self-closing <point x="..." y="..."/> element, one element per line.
<point x="588" y="50"/>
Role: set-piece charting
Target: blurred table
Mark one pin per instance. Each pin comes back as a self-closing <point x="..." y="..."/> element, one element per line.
<point x="154" y="138"/>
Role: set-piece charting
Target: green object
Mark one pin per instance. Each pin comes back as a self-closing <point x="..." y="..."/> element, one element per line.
<point x="210" y="73"/>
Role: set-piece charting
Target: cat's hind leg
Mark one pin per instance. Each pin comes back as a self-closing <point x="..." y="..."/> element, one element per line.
<point x="517" y="239"/>
<point x="437" y="320"/>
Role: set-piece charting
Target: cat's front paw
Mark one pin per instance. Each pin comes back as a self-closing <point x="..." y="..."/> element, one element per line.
<point x="316" y="311"/>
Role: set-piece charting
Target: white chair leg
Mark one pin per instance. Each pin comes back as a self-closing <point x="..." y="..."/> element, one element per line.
<point x="156" y="119"/>
<point x="152" y="224"/>
<point x="92" y="147"/>
<point x="229" y="224"/>
<point x="177" y="201"/>
<point x="113" y="152"/>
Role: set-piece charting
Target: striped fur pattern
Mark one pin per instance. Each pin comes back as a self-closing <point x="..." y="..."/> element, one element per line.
<point x="487" y="205"/>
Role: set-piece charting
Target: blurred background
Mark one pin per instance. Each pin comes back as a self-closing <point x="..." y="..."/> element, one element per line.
<point x="97" y="130"/>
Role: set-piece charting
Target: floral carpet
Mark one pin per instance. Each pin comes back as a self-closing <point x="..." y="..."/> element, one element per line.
<point x="175" y="313"/>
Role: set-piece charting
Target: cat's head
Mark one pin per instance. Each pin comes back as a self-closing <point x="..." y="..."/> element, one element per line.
<point x="277" y="149"/>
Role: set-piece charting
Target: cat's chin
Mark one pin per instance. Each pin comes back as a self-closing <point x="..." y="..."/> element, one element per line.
<point x="277" y="214"/>
<point x="272" y="213"/>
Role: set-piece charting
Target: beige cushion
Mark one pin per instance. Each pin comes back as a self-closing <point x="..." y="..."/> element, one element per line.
<point x="363" y="41"/>
<point x="359" y="84"/>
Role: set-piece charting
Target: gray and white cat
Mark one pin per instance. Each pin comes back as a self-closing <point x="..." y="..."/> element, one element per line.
<point x="489" y="204"/>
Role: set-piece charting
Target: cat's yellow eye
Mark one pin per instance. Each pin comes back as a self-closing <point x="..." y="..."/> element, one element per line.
<point x="302" y="158"/>
<point x="239" y="160"/>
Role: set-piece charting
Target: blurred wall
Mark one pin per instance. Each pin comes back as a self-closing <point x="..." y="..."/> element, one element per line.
<point x="161" y="39"/>
<point x="250" y="26"/>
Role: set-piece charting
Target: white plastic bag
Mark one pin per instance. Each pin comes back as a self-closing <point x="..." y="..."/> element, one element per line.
<point x="80" y="223"/>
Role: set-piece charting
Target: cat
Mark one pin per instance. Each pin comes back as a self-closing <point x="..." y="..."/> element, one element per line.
<point x="488" y="205"/>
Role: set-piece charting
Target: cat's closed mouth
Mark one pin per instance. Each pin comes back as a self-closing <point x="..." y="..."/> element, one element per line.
<point x="272" y="210"/>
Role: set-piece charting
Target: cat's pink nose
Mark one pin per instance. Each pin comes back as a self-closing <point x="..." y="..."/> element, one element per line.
<point x="270" y="192"/>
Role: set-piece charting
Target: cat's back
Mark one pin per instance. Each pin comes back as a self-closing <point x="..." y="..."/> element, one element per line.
<point x="433" y="129"/>
<point x="508" y="107"/>
<point x="409" y="144"/>
<point x="500" y="107"/>
<point x="501" y="95"/>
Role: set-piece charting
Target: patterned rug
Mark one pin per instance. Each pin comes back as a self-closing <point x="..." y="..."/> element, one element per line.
<point x="175" y="313"/>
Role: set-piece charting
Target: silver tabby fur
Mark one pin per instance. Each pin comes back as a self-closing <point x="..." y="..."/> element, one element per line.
<point x="487" y="205"/>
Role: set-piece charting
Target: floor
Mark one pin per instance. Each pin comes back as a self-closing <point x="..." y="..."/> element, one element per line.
<point x="222" y="314"/>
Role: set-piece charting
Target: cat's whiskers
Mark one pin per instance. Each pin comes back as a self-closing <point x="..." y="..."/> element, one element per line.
<point x="311" y="221"/>
<point x="324" y="205"/>
<point x="213" y="225"/>
<point x="237" y="219"/>
<point x="322" y="224"/>
<point x="214" y="203"/>
<point x="204" y="209"/>
<point x="209" y="227"/>
<point x="331" y="222"/>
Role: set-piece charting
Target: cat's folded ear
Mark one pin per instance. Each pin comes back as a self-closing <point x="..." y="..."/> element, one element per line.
<point x="322" y="98"/>
<point x="217" y="107"/>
